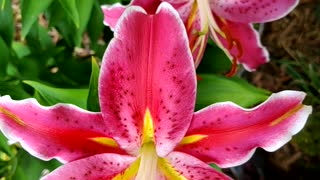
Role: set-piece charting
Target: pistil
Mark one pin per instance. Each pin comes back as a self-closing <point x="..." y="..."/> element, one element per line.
<point x="148" y="163"/>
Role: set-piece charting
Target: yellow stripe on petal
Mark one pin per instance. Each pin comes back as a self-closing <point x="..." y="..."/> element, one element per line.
<point x="105" y="141"/>
<point x="192" y="139"/>
<point x="130" y="172"/>
<point x="12" y="116"/>
<point x="286" y="115"/>
<point x="170" y="172"/>
<point x="148" y="131"/>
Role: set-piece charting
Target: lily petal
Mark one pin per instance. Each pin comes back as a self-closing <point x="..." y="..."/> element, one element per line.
<point x="112" y="14"/>
<point x="247" y="47"/>
<point x="97" y="167"/>
<point x="148" y="66"/>
<point x="182" y="6"/>
<point x="253" y="11"/>
<point x="233" y="133"/>
<point x="184" y="166"/>
<point x="150" y="6"/>
<point x="50" y="132"/>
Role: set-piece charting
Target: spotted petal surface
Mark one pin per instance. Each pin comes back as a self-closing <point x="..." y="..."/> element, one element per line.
<point x="183" y="7"/>
<point x="192" y="168"/>
<point x="233" y="133"/>
<point x="62" y="131"/>
<point x="97" y="167"/>
<point x="252" y="11"/>
<point x="143" y="70"/>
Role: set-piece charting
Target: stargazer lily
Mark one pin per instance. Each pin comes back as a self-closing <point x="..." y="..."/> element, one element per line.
<point x="228" y="22"/>
<point x="147" y="128"/>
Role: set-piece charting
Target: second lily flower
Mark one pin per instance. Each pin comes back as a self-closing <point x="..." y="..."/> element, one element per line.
<point x="228" y="22"/>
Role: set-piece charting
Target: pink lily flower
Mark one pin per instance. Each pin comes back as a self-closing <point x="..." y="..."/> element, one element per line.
<point x="147" y="128"/>
<point x="228" y="22"/>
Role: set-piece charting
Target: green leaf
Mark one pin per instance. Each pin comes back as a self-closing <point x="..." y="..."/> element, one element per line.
<point x="214" y="61"/>
<point x="81" y="68"/>
<point x="29" y="68"/>
<point x="212" y="89"/>
<point x="31" y="168"/>
<point x="3" y="3"/>
<point x="84" y="9"/>
<point x="93" y="98"/>
<point x="14" y="89"/>
<point x="4" y="57"/>
<point x="95" y="25"/>
<point x="39" y="39"/>
<point x="216" y="167"/>
<point x="314" y="76"/>
<point x="48" y="96"/>
<point x="4" y="168"/>
<point x="20" y="49"/>
<point x="30" y="11"/>
<point x="65" y="24"/>
<point x="70" y="8"/>
<point x="4" y="146"/>
<point x="7" y="23"/>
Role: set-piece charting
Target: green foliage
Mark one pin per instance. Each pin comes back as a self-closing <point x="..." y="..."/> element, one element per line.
<point x="308" y="139"/>
<point x="213" y="88"/>
<point x="4" y="57"/>
<point x="95" y="26"/>
<point x="40" y="61"/>
<point x="306" y="76"/>
<point x="214" y="61"/>
<point x="31" y="168"/>
<point x="71" y="10"/>
<point x="93" y="99"/>
<point x="48" y="96"/>
<point x="4" y="146"/>
<point x="30" y="11"/>
<point x="6" y="19"/>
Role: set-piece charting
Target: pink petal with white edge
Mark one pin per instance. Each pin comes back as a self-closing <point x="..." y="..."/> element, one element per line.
<point x="183" y="7"/>
<point x="150" y="6"/>
<point x="253" y="54"/>
<point x="252" y="11"/>
<point x="233" y="133"/>
<point x="148" y="65"/>
<point x="192" y="168"/>
<point x="60" y="131"/>
<point x="97" y="167"/>
<point x="112" y="14"/>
